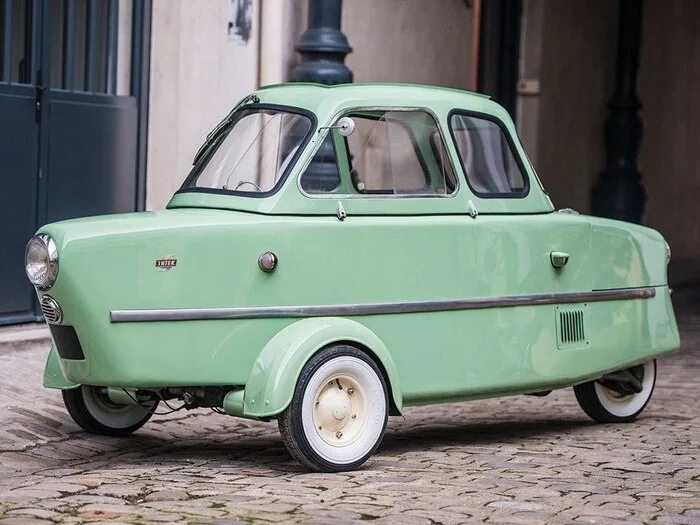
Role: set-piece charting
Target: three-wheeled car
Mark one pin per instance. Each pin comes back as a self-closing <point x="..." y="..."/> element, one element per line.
<point x="339" y="253"/>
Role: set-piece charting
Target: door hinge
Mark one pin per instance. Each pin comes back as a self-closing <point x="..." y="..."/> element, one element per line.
<point x="38" y="95"/>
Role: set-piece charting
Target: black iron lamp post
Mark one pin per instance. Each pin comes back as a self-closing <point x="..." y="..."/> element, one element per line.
<point x="619" y="194"/>
<point x="323" y="46"/>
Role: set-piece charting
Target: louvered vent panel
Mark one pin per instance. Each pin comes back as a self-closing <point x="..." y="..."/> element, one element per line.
<point x="571" y="330"/>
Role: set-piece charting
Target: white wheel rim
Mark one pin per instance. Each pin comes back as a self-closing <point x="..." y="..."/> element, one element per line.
<point x="343" y="410"/>
<point x="111" y="414"/>
<point x="627" y="405"/>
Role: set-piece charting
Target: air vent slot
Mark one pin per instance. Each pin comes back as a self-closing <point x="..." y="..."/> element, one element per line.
<point x="571" y="327"/>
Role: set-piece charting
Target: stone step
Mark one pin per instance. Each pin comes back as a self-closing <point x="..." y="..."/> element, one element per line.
<point x="18" y="337"/>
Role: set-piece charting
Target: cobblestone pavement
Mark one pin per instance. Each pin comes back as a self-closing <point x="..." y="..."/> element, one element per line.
<point x="510" y="460"/>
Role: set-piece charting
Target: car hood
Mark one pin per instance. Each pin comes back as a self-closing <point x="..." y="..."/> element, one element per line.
<point x="141" y="222"/>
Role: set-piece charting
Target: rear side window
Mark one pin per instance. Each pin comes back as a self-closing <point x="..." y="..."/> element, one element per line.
<point x="487" y="156"/>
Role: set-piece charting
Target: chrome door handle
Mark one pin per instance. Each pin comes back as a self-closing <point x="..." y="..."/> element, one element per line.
<point x="559" y="259"/>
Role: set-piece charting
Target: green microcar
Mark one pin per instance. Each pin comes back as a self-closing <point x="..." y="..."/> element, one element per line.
<point x="339" y="253"/>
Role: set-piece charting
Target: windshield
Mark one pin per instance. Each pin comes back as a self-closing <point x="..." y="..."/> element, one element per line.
<point x="253" y="153"/>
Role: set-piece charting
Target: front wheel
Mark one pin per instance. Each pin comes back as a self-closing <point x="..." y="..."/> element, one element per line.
<point x="619" y="397"/>
<point x="338" y="413"/>
<point x="92" y="410"/>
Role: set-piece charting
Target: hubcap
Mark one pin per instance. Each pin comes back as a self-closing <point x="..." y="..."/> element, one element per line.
<point x="340" y="410"/>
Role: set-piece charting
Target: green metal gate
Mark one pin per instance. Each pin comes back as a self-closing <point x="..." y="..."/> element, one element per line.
<point x="73" y="105"/>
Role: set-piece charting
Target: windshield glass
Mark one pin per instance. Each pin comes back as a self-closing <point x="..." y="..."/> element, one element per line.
<point x="253" y="153"/>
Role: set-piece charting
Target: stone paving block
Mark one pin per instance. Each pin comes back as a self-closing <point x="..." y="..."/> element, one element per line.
<point x="678" y="520"/>
<point x="24" y="521"/>
<point x="34" y="513"/>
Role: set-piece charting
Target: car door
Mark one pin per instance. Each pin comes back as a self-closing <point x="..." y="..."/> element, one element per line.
<point x="398" y="244"/>
<point x="521" y="252"/>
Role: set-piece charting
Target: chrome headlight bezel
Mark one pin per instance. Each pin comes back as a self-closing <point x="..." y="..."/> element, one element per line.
<point x="668" y="253"/>
<point x="48" y="253"/>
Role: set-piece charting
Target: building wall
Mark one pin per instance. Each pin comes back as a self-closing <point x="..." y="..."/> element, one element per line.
<point x="669" y="160"/>
<point x="569" y="48"/>
<point x="197" y="75"/>
<point x="409" y="41"/>
<point x="282" y="24"/>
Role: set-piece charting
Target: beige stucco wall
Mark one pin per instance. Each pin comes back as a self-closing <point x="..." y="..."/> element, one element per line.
<point x="427" y="42"/>
<point x="282" y="24"/>
<point x="196" y="77"/>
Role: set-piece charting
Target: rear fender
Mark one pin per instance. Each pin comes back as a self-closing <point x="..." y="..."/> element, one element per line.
<point x="272" y="381"/>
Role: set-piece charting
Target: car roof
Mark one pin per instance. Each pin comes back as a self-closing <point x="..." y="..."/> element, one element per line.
<point x="315" y="96"/>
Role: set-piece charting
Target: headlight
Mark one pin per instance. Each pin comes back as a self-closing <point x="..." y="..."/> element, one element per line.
<point x="668" y="253"/>
<point x="41" y="261"/>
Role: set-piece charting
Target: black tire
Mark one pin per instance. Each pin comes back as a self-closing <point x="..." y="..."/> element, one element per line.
<point x="605" y="406"/>
<point x="95" y="413"/>
<point x="365" y="431"/>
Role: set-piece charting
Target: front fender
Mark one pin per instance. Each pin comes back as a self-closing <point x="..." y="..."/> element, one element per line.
<point x="53" y="377"/>
<point x="272" y="381"/>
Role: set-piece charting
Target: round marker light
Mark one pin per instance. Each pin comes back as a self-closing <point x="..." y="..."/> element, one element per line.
<point x="267" y="262"/>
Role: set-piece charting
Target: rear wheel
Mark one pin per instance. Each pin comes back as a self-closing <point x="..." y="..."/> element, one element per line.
<point x="338" y="413"/>
<point x="618" y="397"/>
<point x="92" y="410"/>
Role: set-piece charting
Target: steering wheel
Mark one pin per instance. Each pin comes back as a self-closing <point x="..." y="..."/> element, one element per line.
<point x="248" y="182"/>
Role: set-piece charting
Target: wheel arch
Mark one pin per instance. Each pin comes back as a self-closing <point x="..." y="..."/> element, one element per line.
<point x="394" y="409"/>
<point x="274" y="375"/>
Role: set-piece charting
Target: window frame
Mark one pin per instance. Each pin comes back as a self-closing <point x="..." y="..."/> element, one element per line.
<point x="433" y="148"/>
<point x="199" y="165"/>
<point x="521" y="194"/>
<point x="345" y="171"/>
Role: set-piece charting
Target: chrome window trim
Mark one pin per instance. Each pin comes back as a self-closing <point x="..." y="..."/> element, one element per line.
<point x="348" y="310"/>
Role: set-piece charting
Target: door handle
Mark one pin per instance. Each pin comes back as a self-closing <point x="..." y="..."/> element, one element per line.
<point x="559" y="259"/>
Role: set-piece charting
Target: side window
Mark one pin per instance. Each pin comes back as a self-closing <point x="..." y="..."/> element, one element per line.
<point x="322" y="175"/>
<point x="388" y="153"/>
<point x="488" y="160"/>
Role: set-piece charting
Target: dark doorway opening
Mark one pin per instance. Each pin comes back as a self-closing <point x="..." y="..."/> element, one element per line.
<point x="499" y="51"/>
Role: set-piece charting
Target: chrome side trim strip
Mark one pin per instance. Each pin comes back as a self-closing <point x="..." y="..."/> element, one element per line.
<point x="265" y="312"/>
